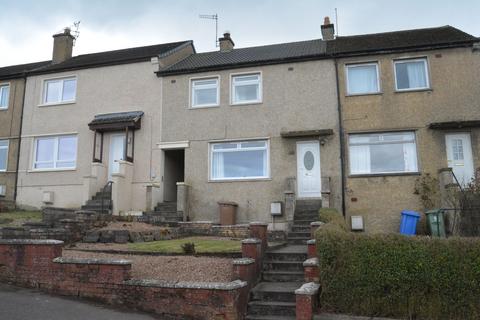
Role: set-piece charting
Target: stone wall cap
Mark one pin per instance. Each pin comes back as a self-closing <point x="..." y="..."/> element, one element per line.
<point x="258" y="223"/>
<point x="251" y="240"/>
<point x="311" y="241"/>
<point x="310" y="288"/>
<point x="227" y="286"/>
<point x="231" y="226"/>
<point x="64" y="260"/>
<point x="312" y="262"/>
<point x="194" y="222"/>
<point x="30" y="241"/>
<point x="316" y="223"/>
<point x="243" y="261"/>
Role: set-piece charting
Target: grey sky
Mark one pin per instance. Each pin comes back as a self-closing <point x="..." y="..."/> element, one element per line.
<point x="27" y="25"/>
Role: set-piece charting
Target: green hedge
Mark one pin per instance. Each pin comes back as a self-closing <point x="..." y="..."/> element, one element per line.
<point x="398" y="276"/>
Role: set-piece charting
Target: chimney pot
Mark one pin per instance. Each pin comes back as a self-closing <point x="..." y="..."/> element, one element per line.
<point x="62" y="46"/>
<point x="328" y="30"/>
<point x="226" y="42"/>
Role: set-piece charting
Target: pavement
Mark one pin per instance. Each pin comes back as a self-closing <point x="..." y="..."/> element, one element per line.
<point x="22" y="304"/>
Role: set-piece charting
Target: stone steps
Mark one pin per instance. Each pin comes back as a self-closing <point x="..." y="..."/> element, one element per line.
<point x="271" y="291"/>
<point x="271" y="308"/>
<point x="282" y="276"/>
<point x="273" y="265"/>
<point x="300" y="228"/>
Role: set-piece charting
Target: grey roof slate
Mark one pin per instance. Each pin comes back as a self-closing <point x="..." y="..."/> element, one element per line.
<point x="116" y="117"/>
<point x="16" y="71"/>
<point x="112" y="57"/>
<point x="270" y="54"/>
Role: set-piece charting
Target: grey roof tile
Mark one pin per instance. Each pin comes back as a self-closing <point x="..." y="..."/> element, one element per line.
<point x="18" y="70"/>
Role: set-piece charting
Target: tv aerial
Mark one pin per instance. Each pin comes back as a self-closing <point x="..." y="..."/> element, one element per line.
<point x="211" y="17"/>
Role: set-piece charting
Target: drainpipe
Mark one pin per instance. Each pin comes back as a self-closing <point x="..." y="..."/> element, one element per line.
<point x="342" y="141"/>
<point x="15" y="193"/>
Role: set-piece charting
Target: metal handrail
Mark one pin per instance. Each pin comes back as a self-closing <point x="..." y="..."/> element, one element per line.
<point x="105" y="188"/>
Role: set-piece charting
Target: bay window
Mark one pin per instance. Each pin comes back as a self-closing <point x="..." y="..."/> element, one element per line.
<point x="362" y="78"/>
<point x="205" y="92"/>
<point x="411" y="74"/>
<point x="246" y="88"/>
<point x="378" y="153"/>
<point x="55" y="152"/>
<point x="59" y="90"/>
<point x="239" y="160"/>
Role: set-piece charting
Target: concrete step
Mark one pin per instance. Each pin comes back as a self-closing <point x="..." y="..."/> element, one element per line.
<point x="166" y="206"/>
<point x="299" y="234"/>
<point x="288" y="253"/>
<point x="98" y="202"/>
<point x="314" y="203"/>
<point x="272" y="291"/>
<point x="306" y="216"/>
<point x="300" y="228"/>
<point x="298" y="241"/>
<point x="282" y="276"/>
<point x="271" y="308"/>
<point x="275" y="265"/>
<point x="302" y="222"/>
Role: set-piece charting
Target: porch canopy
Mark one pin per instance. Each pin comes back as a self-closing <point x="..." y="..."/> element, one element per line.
<point x="306" y="133"/>
<point x="448" y="125"/>
<point x="120" y="121"/>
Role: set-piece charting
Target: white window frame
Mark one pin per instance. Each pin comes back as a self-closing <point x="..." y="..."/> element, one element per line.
<point x="62" y="79"/>
<point x="55" y="153"/>
<point x="210" y="160"/>
<point x="413" y="59"/>
<point x="192" y="88"/>
<point x="361" y="64"/>
<point x="5" y="85"/>
<point x="242" y="74"/>
<point x="8" y="148"/>
<point x="383" y="172"/>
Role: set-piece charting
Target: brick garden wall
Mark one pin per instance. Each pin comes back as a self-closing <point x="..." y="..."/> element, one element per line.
<point x="38" y="263"/>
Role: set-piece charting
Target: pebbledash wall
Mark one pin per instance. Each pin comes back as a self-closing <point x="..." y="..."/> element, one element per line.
<point x="454" y="95"/>
<point x="100" y="90"/>
<point x="38" y="263"/>
<point x="296" y="96"/>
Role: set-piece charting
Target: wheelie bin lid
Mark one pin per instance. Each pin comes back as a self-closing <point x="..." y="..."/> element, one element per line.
<point x="411" y="213"/>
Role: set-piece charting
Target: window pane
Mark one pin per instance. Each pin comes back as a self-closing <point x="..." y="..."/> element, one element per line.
<point x="69" y="89"/>
<point x="204" y="96"/>
<point x="4" y="94"/>
<point x="210" y="82"/>
<point x="387" y="158"/>
<point x="221" y="146"/>
<point x="238" y="79"/>
<point x="243" y="164"/>
<point x="253" y="144"/>
<point x="362" y="79"/>
<point x="3" y="158"/>
<point x="53" y="90"/>
<point x="45" y="149"/>
<point x="411" y="75"/>
<point x="3" y="143"/>
<point x="246" y="92"/>
<point x="67" y="148"/>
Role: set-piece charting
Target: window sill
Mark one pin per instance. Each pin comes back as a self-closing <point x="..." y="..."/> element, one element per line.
<point x="241" y="180"/>
<point x="56" y="104"/>
<point x="205" y="107"/>
<point x="414" y="90"/>
<point x="245" y="103"/>
<point x="393" y="174"/>
<point x="3" y="109"/>
<point x="364" y="94"/>
<point x="51" y="170"/>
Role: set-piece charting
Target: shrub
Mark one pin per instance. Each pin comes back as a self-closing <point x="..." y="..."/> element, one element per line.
<point x="188" y="248"/>
<point x="397" y="276"/>
<point x="332" y="216"/>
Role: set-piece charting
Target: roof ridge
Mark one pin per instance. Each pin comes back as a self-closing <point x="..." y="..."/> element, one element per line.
<point x="398" y="31"/>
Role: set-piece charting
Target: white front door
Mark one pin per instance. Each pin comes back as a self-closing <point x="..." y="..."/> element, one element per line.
<point x="308" y="169"/>
<point x="117" y="147"/>
<point x="459" y="156"/>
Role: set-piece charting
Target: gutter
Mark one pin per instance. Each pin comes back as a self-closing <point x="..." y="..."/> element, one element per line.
<point x="342" y="139"/>
<point x="15" y="193"/>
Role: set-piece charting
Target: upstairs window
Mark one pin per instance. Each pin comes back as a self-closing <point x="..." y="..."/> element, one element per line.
<point x="3" y="155"/>
<point x="4" y="96"/>
<point x="205" y="92"/>
<point x="362" y="78"/>
<point x="58" y="152"/>
<point x="246" y="88"/>
<point x="59" y="90"/>
<point x="411" y="74"/>
<point x="378" y="153"/>
<point x="239" y="160"/>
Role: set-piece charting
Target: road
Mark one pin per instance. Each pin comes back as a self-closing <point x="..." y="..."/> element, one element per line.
<point x="26" y="304"/>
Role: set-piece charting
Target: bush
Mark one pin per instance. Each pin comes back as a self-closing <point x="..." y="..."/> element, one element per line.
<point x="332" y="216"/>
<point x="399" y="276"/>
<point x="188" y="248"/>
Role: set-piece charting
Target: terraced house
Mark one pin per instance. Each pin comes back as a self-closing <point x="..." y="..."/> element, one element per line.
<point x="12" y="89"/>
<point x="410" y="104"/>
<point x="91" y="119"/>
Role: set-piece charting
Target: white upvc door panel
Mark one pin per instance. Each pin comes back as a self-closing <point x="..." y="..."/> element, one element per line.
<point x="459" y="156"/>
<point x="308" y="169"/>
<point x="117" y="150"/>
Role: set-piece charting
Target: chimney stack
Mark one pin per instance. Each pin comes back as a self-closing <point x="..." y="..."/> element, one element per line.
<point x="328" y="30"/>
<point x="62" y="46"/>
<point x="226" y="43"/>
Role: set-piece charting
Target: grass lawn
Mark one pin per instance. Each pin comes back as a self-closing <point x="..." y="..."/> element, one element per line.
<point x="202" y="245"/>
<point x="17" y="218"/>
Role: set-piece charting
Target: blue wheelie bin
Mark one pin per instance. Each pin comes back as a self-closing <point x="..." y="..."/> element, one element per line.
<point x="408" y="224"/>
